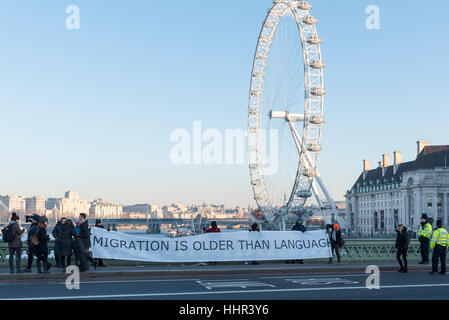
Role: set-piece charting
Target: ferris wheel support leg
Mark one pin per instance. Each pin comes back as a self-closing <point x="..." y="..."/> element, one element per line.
<point x="318" y="200"/>
<point x="328" y="196"/>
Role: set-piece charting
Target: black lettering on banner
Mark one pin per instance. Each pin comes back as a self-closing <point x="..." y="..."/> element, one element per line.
<point x="184" y="246"/>
<point x="123" y="244"/>
<point x="132" y="245"/>
<point x="114" y="243"/>
<point x="98" y="240"/>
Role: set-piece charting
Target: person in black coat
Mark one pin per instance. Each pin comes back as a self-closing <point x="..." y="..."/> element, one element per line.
<point x="299" y="226"/>
<point x="31" y="248"/>
<point x="99" y="224"/>
<point x="64" y="235"/>
<point x="336" y="240"/>
<point x="402" y="241"/>
<point x="84" y="236"/>
<point x="42" y="247"/>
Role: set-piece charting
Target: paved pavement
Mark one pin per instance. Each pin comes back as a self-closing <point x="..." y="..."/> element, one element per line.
<point x="215" y="282"/>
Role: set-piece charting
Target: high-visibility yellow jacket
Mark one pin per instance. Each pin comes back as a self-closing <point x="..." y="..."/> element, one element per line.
<point x="441" y="237"/>
<point x="425" y="231"/>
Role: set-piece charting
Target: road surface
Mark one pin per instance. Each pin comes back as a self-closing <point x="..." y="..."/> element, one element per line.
<point x="280" y="286"/>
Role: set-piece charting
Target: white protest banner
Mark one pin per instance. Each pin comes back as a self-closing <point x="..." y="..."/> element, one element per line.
<point x="225" y="246"/>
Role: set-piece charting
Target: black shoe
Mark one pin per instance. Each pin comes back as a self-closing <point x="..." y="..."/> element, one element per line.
<point x="255" y="263"/>
<point x="47" y="269"/>
<point x="27" y="270"/>
<point x="401" y="269"/>
<point x="404" y="271"/>
<point x="441" y="272"/>
<point x="421" y="262"/>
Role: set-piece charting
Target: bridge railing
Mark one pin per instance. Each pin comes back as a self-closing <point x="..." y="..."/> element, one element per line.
<point x="353" y="251"/>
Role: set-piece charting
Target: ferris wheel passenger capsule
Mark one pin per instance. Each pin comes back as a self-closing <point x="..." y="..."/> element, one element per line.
<point x="310" y="20"/>
<point x="317" y="64"/>
<point x="304" y="5"/>
<point x="318" y="91"/>
<point x="314" y="40"/>
<point x="304" y="194"/>
<point x="314" y="147"/>
<point x="309" y="173"/>
<point x="316" y="119"/>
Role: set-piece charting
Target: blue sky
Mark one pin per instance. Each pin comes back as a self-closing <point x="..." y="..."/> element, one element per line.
<point x="92" y="110"/>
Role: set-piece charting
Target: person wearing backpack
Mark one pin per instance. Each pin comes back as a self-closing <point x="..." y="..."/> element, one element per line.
<point x="14" y="243"/>
<point x="402" y="242"/>
<point x="31" y="248"/>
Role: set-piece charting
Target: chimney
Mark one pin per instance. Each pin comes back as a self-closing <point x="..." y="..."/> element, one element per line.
<point x="397" y="161"/>
<point x="366" y="168"/>
<point x="397" y="157"/>
<point x="421" y="145"/>
<point x="385" y="160"/>
<point x="366" y="165"/>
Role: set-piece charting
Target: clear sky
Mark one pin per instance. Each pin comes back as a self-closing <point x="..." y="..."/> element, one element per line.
<point x="92" y="110"/>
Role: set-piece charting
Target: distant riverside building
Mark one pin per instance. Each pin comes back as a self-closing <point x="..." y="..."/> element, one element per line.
<point x="101" y="209"/>
<point x="70" y="206"/>
<point x="35" y="205"/>
<point x="13" y="202"/>
<point x="145" y="210"/>
<point x="400" y="192"/>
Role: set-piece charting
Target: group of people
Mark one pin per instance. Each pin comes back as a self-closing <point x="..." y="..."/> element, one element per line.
<point x="70" y="239"/>
<point x="437" y="240"/>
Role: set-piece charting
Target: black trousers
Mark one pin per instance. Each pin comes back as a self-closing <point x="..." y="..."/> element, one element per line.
<point x="402" y="262"/>
<point x="334" y="246"/>
<point x="42" y="257"/>
<point x="424" y="249"/>
<point x="17" y="252"/>
<point x="63" y="259"/>
<point x="30" y="256"/>
<point x="439" y="253"/>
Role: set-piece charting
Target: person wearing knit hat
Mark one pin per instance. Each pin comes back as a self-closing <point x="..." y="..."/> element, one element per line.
<point x="15" y="245"/>
<point x="31" y="248"/>
<point x="336" y="240"/>
<point x="424" y="234"/>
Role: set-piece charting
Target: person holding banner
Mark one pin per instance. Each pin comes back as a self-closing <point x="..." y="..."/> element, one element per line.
<point x="213" y="229"/>
<point x="298" y="227"/>
<point x="336" y="240"/>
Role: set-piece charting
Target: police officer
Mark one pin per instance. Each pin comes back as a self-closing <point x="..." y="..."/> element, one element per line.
<point x="439" y="245"/>
<point x="424" y="234"/>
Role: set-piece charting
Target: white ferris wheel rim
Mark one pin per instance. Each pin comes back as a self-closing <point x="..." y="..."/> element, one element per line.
<point x="313" y="117"/>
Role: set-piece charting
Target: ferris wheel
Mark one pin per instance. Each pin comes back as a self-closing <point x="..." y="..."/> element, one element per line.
<point x="286" y="113"/>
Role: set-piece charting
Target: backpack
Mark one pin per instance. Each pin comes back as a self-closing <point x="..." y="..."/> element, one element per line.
<point x="8" y="235"/>
<point x="34" y="240"/>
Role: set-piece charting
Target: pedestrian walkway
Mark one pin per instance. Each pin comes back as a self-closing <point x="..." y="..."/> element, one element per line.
<point x="202" y="268"/>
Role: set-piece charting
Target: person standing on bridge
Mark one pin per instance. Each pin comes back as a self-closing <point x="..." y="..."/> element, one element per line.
<point x="299" y="226"/>
<point x="99" y="224"/>
<point x="424" y="234"/>
<point x="440" y="241"/>
<point x="213" y="229"/>
<point x="64" y="236"/>
<point x="34" y="219"/>
<point x="84" y="236"/>
<point x="15" y="245"/>
<point x="402" y="242"/>
<point x="336" y="239"/>
<point x="42" y="246"/>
